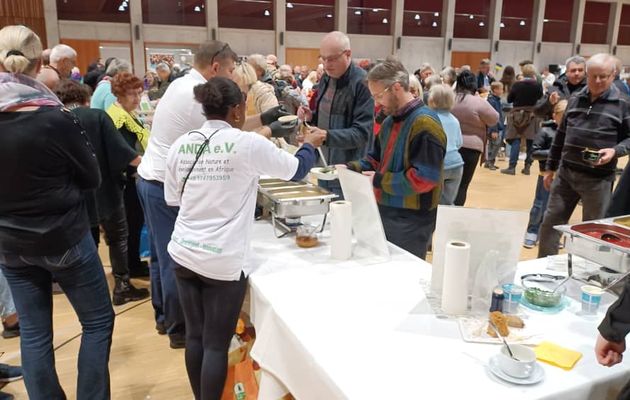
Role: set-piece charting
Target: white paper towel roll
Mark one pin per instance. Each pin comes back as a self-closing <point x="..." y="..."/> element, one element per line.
<point x="455" y="282"/>
<point x="341" y="230"/>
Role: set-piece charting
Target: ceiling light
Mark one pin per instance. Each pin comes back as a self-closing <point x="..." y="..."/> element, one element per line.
<point x="481" y="23"/>
<point x="502" y="25"/>
<point x="384" y="20"/>
<point x="417" y="17"/>
<point x="545" y="20"/>
<point x="375" y="10"/>
<point x="289" y="5"/>
<point x="267" y="13"/>
<point x="121" y="8"/>
<point x="197" y="9"/>
<point x="328" y="15"/>
<point x="437" y="14"/>
<point x="434" y="24"/>
<point x="471" y="16"/>
<point x="522" y="23"/>
<point x="357" y="12"/>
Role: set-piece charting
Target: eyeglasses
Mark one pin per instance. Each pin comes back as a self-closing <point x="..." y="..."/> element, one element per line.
<point x="332" y="58"/>
<point x="225" y="46"/>
<point x="601" y="77"/>
<point x="380" y="94"/>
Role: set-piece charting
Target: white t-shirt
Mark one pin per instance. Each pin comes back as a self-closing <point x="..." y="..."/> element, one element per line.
<point x="177" y="113"/>
<point x="216" y="211"/>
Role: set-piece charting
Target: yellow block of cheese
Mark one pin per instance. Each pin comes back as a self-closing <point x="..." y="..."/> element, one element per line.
<point x="556" y="355"/>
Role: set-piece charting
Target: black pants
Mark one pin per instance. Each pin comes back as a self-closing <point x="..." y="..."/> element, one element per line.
<point x="211" y="309"/>
<point x="135" y="221"/>
<point x="116" y="236"/>
<point x="410" y="230"/>
<point x="471" y="159"/>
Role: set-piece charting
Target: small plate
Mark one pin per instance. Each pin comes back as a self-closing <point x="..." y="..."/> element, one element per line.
<point x="537" y="375"/>
<point x="324" y="176"/>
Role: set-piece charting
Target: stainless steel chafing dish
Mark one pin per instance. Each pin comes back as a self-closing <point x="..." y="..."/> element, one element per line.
<point x="289" y="201"/>
<point x="605" y="242"/>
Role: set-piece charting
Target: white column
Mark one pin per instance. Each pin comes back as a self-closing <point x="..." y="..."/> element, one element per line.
<point x="280" y="27"/>
<point x="137" y="37"/>
<point x="613" y="25"/>
<point x="538" y="21"/>
<point x="341" y="16"/>
<point x="448" y="25"/>
<point x="494" y="27"/>
<point x="577" y="23"/>
<point x="52" y="23"/>
<point x="397" y="24"/>
<point x="212" y="19"/>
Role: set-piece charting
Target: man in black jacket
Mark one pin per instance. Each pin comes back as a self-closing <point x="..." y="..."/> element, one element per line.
<point x="573" y="80"/>
<point x="597" y="121"/>
<point x="344" y="108"/>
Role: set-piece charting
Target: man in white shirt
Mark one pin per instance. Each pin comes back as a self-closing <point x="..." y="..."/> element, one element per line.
<point x="178" y="113"/>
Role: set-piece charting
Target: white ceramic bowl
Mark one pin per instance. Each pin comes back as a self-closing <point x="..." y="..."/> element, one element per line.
<point x="520" y="368"/>
<point x="324" y="176"/>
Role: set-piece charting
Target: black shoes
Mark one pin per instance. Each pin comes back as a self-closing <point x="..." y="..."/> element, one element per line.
<point x="125" y="292"/>
<point x="160" y="328"/>
<point x="525" y="170"/>
<point x="508" y="171"/>
<point x="177" y="340"/>
<point x="12" y="331"/>
<point x="139" y="271"/>
<point x="490" y="166"/>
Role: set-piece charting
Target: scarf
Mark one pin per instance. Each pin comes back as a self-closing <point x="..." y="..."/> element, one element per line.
<point x="121" y="118"/>
<point x="19" y="90"/>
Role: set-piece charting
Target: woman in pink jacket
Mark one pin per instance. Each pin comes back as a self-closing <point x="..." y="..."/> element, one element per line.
<point x="475" y="115"/>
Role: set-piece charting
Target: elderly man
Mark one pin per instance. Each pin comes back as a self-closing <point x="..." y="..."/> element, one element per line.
<point x="344" y="109"/>
<point x="596" y="123"/>
<point x="176" y="114"/>
<point x="163" y="72"/>
<point x="573" y="80"/>
<point x="272" y="63"/>
<point x="406" y="161"/>
<point x="485" y="76"/>
<point x="62" y="59"/>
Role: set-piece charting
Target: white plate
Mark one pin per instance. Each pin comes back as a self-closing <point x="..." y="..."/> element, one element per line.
<point x="329" y="176"/>
<point x="474" y="330"/>
<point x="537" y="375"/>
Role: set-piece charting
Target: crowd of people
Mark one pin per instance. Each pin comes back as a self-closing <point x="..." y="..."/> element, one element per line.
<point x="99" y="169"/>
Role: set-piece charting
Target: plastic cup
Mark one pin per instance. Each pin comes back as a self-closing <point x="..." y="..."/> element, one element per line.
<point x="513" y="294"/>
<point x="591" y="297"/>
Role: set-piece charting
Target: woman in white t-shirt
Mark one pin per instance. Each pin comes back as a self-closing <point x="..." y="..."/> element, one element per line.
<point x="212" y="176"/>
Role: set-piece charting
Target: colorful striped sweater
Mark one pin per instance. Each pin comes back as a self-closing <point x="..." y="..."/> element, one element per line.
<point x="407" y="158"/>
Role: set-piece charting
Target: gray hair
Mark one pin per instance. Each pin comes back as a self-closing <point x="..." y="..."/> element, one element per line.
<point x="389" y="72"/>
<point x="61" y="51"/>
<point x="414" y="83"/>
<point x="441" y="97"/>
<point x="575" y="60"/>
<point x="118" y="65"/>
<point x="340" y="38"/>
<point x="258" y="61"/>
<point x="602" y="60"/>
<point x="163" y="67"/>
<point x="449" y="75"/>
<point x="432" y="81"/>
<point x="23" y="40"/>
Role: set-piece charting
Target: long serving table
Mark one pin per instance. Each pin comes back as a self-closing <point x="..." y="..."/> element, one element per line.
<point x="359" y="330"/>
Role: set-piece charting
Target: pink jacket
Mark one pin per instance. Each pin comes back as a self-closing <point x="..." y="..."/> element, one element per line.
<point x="475" y="115"/>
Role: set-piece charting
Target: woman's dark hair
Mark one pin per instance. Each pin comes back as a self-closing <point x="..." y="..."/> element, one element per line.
<point x="217" y="96"/>
<point x="508" y="78"/>
<point x="466" y="83"/>
<point x="70" y="92"/>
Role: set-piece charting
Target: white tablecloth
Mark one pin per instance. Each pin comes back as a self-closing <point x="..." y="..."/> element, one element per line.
<point x="355" y="330"/>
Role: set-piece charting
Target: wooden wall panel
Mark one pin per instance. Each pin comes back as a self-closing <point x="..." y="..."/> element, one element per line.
<point x="472" y="58"/>
<point x="29" y="13"/>
<point x="299" y="56"/>
<point x="87" y="52"/>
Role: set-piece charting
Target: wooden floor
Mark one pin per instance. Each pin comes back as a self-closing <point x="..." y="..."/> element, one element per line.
<point x="144" y="367"/>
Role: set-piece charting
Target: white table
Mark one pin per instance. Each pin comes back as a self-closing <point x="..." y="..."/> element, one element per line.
<point x="355" y="330"/>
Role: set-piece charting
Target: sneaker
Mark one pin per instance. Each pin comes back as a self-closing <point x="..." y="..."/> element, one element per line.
<point x="9" y="373"/>
<point x="177" y="340"/>
<point x="529" y="244"/>
<point x="160" y="328"/>
<point x="125" y="292"/>
<point x="508" y="171"/>
<point x="12" y="331"/>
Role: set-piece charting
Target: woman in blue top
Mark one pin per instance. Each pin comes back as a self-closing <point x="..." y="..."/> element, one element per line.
<point x="441" y="99"/>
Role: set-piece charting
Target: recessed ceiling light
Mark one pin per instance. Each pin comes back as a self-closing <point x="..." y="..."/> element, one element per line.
<point x="522" y="23"/>
<point x="437" y="14"/>
<point x="471" y="16"/>
<point x="267" y="13"/>
<point x="289" y="5"/>
<point x="481" y="23"/>
<point x="385" y="20"/>
<point x="502" y="25"/>
<point x="328" y="15"/>
<point x="434" y="24"/>
<point x="417" y="17"/>
<point x="375" y="10"/>
<point x="357" y="12"/>
<point x="197" y="9"/>
<point x="121" y="8"/>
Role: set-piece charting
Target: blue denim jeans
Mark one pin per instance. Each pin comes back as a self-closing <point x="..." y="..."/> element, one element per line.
<point x="160" y="219"/>
<point x="538" y="209"/>
<point x="80" y="274"/>
<point x="451" y="178"/>
<point x="515" y="148"/>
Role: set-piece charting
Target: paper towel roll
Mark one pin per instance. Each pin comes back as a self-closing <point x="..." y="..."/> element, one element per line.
<point x="341" y="230"/>
<point x="455" y="282"/>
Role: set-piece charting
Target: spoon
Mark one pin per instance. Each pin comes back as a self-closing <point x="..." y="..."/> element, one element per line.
<point x="503" y="340"/>
<point x="560" y="284"/>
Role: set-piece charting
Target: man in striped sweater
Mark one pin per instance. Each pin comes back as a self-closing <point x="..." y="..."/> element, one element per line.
<point x="597" y="118"/>
<point x="406" y="161"/>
